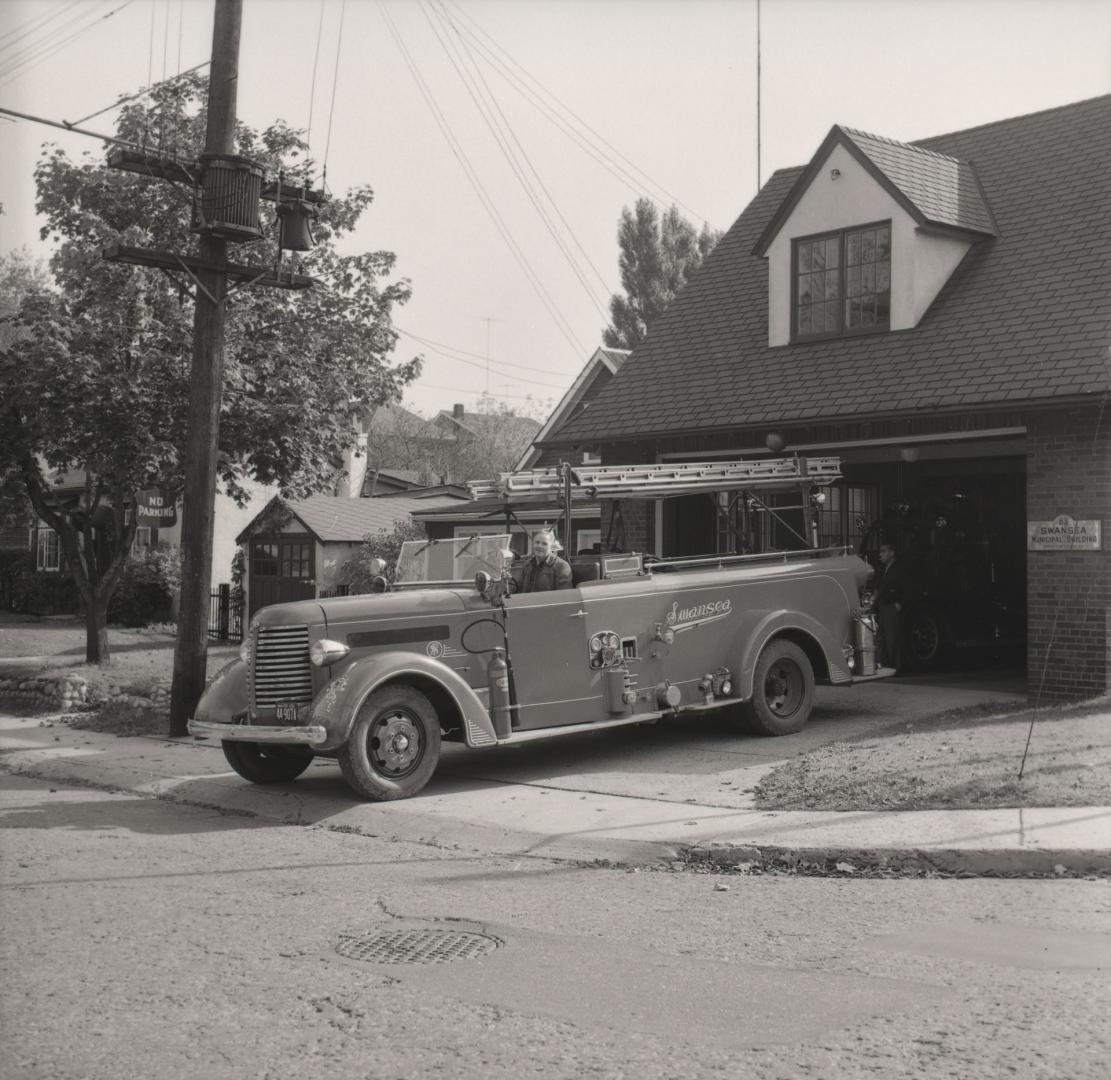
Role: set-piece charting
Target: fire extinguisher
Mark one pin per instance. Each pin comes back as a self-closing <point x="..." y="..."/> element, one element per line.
<point x="497" y="679"/>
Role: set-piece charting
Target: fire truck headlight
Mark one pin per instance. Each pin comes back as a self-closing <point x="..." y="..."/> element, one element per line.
<point x="327" y="652"/>
<point x="596" y="643"/>
<point x="727" y="688"/>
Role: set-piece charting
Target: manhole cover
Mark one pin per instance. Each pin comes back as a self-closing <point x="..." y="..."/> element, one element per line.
<point x="415" y="946"/>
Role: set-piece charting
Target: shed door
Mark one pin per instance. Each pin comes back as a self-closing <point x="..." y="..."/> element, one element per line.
<point x="551" y="665"/>
<point x="281" y="570"/>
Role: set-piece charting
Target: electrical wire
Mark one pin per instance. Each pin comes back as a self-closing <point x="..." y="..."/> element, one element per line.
<point x="493" y="98"/>
<point x="33" y="27"/>
<point x="468" y="170"/>
<point x="471" y="390"/>
<point x="10" y="73"/>
<point x="312" y="88"/>
<point x="464" y="352"/>
<point x="335" y="83"/>
<point x="486" y="106"/>
<point x="474" y="30"/>
<point x="143" y="92"/>
<point x="512" y="378"/>
<point x="26" y="53"/>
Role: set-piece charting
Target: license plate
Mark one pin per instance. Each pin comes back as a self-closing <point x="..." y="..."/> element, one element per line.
<point x="286" y="713"/>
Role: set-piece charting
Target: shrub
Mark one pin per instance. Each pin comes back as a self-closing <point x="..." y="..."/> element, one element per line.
<point x="14" y="566"/>
<point x="146" y="587"/>
<point x="384" y="544"/>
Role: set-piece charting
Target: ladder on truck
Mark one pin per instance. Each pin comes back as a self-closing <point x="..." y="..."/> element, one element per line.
<point x="565" y="484"/>
<point x="656" y="481"/>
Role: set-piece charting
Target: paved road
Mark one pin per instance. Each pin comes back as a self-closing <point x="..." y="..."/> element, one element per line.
<point x="148" y="939"/>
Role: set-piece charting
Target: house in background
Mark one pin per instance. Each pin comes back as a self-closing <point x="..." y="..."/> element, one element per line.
<point x="488" y="516"/>
<point x="296" y="548"/>
<point x="938" y="315"/>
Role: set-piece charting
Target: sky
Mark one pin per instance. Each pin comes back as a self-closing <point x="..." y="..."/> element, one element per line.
<point x="663" y="92"/>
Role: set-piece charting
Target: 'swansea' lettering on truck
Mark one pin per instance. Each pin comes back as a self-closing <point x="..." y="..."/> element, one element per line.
<point x="400" y="636"/>
<point x="697" y="613"/>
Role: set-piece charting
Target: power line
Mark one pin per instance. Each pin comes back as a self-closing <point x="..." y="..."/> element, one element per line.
<point x="143" y="92"/>
<point x="471" y="390"/>
<point x="486" y="106"/>
<point x="335" y="82"/>
<point x="33" y="27"/>
<point x="14" y="71"/>
<point x="464" y="352"/>
<point x="480" y="191"/>
<point x="482" y="366"/>
<point x="17" y="56"/>
<point x="474" y="29"/>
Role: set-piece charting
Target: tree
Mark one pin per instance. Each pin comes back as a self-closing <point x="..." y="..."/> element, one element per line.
<point x="360" y="570"/>
<point x="657" y="257"/>
<point x="96" y="378"/>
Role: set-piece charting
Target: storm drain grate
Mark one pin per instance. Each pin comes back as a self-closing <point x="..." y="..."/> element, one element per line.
<point x="415" y="946"/>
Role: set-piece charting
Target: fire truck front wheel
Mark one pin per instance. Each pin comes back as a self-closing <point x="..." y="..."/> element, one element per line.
<point x="782" y="690"/>
<point x="394" y="745"/>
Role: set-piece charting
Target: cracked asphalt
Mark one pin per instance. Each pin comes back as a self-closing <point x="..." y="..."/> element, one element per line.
<point x="143" y="938"/>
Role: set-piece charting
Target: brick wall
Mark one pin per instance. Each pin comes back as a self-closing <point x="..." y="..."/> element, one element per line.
<point x="639" y="520"/>
<point x="1068" y="471"/>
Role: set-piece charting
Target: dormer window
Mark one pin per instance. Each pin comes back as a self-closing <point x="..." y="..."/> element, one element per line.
<point x="842" y="282"/>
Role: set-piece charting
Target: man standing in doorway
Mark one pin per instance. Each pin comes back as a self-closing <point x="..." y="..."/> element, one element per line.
<point x="544" y="570"/>
<point x="890" y="598"/>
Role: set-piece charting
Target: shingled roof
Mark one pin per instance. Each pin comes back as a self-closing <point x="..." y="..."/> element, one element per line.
<point x="1026" y="316"/>
<point x="333" y="518"/>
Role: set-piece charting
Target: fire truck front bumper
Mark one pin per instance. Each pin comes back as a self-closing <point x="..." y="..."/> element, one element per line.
<point x="309" y="735"/>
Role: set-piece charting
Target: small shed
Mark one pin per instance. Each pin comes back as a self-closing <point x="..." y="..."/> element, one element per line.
<point x="295" y="548"/>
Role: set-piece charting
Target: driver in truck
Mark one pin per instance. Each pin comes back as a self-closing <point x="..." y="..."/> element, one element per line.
<point x="544" y="570"/>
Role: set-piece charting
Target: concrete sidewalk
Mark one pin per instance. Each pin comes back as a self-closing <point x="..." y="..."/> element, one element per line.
<point x="545" y="819"/>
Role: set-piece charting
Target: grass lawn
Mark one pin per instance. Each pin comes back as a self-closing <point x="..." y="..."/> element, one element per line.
<point x="141" y="659"/>
<point x="962" y="760"/>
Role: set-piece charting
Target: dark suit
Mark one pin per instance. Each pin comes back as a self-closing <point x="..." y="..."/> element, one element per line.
<point x="891" y="590"/>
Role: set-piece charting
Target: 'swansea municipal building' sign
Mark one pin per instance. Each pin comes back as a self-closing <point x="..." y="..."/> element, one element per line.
<point x="1063" y="533"/>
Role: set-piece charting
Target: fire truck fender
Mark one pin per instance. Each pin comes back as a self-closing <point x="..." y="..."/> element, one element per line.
<point x="454" y="700"/>
<point x="226" y="697"/>
<point x="806" y="632"/>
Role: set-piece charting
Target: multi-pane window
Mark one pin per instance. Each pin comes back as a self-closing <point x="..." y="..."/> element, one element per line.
<point x="264" y="559"/>
<point x="843" y="282"/>
<point x="846" y="514"/>
<point x="142" y="539"/>
<point x="296" y="560"/>
<point x="47" y="554"/>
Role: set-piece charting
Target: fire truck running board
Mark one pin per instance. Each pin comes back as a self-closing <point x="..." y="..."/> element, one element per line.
<point x="618" y="721"/>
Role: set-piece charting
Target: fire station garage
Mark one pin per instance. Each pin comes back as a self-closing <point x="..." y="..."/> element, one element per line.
<point x="936" y="315"/>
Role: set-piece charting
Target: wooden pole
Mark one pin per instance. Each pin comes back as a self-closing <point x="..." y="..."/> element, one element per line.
<point x="202" y="431"/>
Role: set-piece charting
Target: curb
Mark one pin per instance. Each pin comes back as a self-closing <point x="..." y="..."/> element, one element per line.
<point x="833" y="861"/>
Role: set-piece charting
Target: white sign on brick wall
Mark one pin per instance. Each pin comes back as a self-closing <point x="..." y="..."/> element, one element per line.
<point x="1063" y="533"/>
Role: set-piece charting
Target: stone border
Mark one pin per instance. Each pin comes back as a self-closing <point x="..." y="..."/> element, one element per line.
<point x="64" y="692"/>
<point x="67" y="693"/>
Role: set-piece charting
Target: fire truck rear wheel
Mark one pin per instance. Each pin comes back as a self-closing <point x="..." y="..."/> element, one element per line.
<point x="394" y="745"/>
<point x="782" y="690"/>
<point x="262" y="763"/>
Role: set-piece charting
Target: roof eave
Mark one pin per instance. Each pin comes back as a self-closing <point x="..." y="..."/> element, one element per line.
<point x="837" y="137"/>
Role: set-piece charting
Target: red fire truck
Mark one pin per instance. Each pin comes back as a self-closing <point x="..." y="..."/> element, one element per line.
<point x="379" y="681"/>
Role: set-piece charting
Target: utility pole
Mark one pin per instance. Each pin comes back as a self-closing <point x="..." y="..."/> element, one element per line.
<point x="205" y="391"/>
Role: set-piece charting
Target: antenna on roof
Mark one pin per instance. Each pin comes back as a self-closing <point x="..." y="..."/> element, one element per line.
<point x="758" y="96"/>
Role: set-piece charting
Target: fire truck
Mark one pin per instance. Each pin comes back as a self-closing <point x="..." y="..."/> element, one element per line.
<point x="448" y="650"/>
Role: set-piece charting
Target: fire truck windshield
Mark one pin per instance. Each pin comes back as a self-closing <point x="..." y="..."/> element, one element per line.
<point x="457" y="559"/>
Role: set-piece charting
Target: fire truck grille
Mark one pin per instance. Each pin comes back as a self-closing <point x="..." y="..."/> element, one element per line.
<point x="282" y="670"/>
